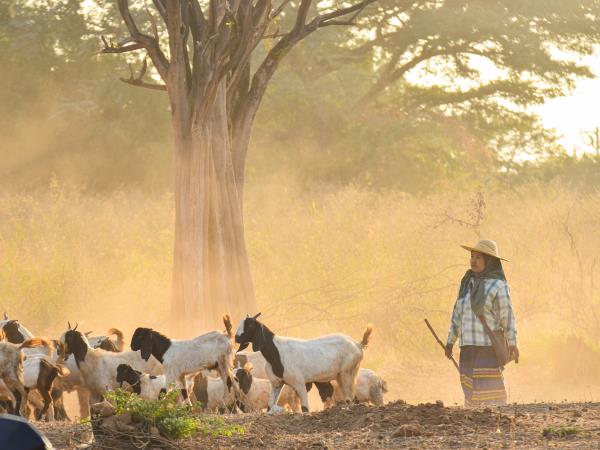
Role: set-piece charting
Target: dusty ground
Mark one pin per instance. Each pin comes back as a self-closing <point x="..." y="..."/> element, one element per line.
<point x="396" y="425"/>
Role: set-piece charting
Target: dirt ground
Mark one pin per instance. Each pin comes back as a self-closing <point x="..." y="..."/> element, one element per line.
<point x="396" y="425"/>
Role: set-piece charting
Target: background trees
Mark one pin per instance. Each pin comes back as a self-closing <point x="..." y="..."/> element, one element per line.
<point x="439" y="122"/>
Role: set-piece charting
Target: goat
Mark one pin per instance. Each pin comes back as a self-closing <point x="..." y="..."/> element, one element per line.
<point x="146" y="386"/>
<point x="256" y="359"/>
<point x="7" y="396"/>
<point x="296" y="362"/>
<point x="181" y="358"/>
<point x="11" y="368"/>
<point x="15" y="332"/>
<point x="74" y="380"/>
<point x="106" y="343"/>
<point x="255" y="391"/>
<point x="370" y="388"/>
<point x="211" y="392"/>
<point x="98" y="367"/>
<point x="39" y="374"/>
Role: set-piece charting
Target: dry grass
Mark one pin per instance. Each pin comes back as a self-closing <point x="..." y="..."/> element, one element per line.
<point x="332" y="260"/>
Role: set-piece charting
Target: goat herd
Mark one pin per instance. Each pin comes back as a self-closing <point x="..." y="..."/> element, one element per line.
<point x="275" y="376"/>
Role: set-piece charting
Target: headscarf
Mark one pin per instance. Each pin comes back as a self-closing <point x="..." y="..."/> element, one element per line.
<point x="492" y="271"/>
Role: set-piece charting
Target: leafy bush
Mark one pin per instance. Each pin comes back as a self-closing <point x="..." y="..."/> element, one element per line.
<point x="174" y="420"/>
<point x="560" y="432"/>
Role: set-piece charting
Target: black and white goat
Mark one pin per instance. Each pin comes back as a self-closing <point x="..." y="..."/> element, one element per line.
<point x="145" y="385"/>
<point x="108" y="344"/>
<point x="258" y="361"/>
<point x="15" y="332"/>
<point x="296" y="362"/>
<point x="185" y="358"/>
<point x="98" y="367"/>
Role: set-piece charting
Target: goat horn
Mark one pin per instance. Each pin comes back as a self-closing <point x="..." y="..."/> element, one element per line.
<point x="69" y="323"/>
<point x="76" y="325"/>
<point x="256" y="316"/>
<point x="5" y="316"/>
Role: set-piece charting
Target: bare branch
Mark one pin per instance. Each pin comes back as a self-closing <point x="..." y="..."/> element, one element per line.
<point x="161" y="8"/>
<point x="301" y="17"/>
<point x="279" y="9"/>
<point x="138" y="80"/>
<point x="322" y="20"/>
<point x="153" y="25"/>
<point x="109" y="47"/>
<point x="151" y="44"/>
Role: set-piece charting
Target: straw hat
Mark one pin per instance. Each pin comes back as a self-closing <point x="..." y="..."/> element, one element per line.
<point x="487" y="247"/>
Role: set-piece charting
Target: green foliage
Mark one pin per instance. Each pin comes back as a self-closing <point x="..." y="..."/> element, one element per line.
<point x="346" y="105"/>
<point x="560" y="432"/>
<point x="173" y="419"/>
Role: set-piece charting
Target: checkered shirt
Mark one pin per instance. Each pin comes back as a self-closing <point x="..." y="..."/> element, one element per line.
<point x="498" y="314"/>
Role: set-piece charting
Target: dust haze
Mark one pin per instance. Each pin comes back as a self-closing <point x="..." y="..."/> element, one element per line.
<point x="350" y="218"/>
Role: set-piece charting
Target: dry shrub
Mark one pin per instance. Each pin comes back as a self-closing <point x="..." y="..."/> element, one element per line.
<point x="325" y="261"/>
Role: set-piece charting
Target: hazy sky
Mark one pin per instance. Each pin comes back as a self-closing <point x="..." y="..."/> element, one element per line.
<point x="577" y="113"/>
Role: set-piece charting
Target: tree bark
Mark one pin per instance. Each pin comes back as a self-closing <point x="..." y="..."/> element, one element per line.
<point x="214" y="100"/>
<point x="211" y="274"/>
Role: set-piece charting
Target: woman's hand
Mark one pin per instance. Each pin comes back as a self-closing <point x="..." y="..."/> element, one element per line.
<point x="514" y="353"/>
<point x="448" y="351"/>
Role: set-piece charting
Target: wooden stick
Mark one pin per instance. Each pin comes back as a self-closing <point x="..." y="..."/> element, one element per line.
<point x="440" y="342"/>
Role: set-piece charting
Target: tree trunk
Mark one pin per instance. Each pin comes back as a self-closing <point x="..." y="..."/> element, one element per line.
<point x="211" y="274"/>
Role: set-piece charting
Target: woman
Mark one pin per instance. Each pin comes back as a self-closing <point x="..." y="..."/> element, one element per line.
<point x="483" y="293"/>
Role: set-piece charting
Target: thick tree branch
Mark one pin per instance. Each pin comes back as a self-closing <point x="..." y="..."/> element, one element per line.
<point x="138" y="81"/>
<point x="301" y="16"/>
<point x="121" y="47"/>
<point x="148" y="42"/>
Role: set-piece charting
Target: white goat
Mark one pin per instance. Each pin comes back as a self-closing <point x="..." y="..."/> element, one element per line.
<point x="98" y="367"/>
<point x="296" y="362"/>
<point x="370" y="388"/>
<point x="183" y="358"/>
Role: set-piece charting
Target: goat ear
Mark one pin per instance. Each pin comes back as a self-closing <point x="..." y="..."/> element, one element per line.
<point x="243" y="346"/>
<point x="146" y="347"/>
<point x="258" y="340"/>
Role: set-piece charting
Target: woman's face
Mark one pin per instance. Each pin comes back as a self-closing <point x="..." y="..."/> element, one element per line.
<point x="477" y="262"/>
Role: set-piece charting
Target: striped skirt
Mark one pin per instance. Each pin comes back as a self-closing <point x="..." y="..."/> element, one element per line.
<point x="481" y="377"/>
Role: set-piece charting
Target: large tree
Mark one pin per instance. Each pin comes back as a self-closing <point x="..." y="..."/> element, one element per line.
<point x="214" y="92"/>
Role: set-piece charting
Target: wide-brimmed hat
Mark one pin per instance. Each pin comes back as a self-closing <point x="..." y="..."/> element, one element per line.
<point x="487" y="247"/>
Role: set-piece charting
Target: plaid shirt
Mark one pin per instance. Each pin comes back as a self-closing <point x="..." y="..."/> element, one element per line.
<point x="498" y="314"/>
